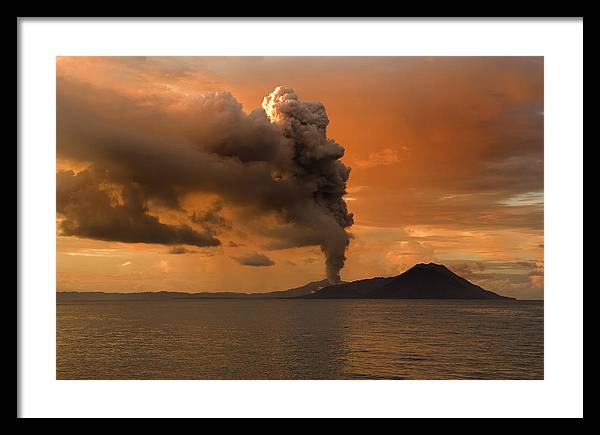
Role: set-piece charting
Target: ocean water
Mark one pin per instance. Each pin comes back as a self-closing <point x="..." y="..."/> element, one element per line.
<point x="300" y="339"/>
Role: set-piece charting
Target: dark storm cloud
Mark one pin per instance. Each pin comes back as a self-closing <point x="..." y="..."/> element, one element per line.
<point x="162" y="153"/>
<point x="254" y="259"/>
<point x="89" y="211"/>
<point x="274" y="160"/>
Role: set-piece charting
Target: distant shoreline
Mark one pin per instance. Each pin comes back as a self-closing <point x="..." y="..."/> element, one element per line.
<point x="70" y="296"/>
<point x="124" y="299"/>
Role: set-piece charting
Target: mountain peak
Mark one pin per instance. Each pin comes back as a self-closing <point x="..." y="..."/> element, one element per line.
<point x="422" y="281"/>
<point x="429" y="266"/>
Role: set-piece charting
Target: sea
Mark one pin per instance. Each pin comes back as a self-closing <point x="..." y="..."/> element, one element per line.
<point x="300" y="339"/>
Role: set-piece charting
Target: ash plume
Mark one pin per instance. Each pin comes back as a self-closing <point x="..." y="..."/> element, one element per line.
<point x="318" y="163"/>
<point x="274" y="161"/>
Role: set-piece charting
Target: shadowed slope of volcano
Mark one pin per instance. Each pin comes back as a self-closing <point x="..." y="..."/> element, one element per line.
<point x="422" y="281"/>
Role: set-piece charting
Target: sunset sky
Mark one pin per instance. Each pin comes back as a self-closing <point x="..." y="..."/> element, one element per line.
<point x="446" y="157"/>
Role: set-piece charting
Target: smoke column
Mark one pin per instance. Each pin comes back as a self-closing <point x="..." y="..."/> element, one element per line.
<point x="275" y="161"/>
<point x="317" y="162"/>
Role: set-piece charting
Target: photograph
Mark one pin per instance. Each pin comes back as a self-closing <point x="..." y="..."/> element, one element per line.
<point x="300" y="218"/>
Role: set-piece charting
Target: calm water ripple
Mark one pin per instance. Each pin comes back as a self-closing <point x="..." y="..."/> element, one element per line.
<point x="300" y="339"/>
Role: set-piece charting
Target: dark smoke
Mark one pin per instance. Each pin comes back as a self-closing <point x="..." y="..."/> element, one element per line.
<point x="275" y="160"/>
<point x="318" y="165"/>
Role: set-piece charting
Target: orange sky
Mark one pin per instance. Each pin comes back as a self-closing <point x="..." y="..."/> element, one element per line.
<point x="446" y="157"/>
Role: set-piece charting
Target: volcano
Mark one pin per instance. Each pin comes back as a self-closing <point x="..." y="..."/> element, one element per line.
<point x="422" y="281"/>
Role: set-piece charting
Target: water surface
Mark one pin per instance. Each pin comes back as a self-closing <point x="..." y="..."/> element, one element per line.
<point x="300" y="339"/>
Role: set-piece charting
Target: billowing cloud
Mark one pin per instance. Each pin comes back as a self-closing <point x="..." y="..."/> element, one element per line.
<point x="254" y="259"/>
<point x="276" y="160"/>
<point x="89" y="211"/>
<point x="317" y="164"/>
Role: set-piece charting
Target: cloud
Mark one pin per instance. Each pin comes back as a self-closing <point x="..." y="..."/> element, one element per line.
<point x="93" y="253"/>
<point x="536" y="276"/>
<point x="444" y="208"/>
<point x="518" y="277"/>
<point x="90" y="211"/>
<point x="384" y="157"/>
<point x="276" y="160"/>
<point x="205" y="252"/>
<point x="211" y="220"/>
<point x="524" y="199"/>
<point x="179" y="250"/>
<point x="254" y="259"/>
<point x="407" y="253"/>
